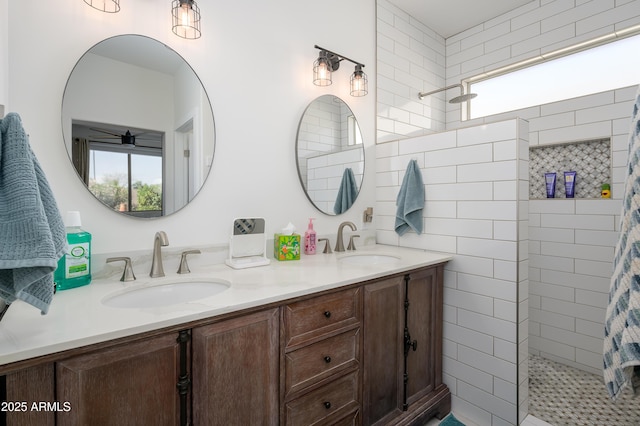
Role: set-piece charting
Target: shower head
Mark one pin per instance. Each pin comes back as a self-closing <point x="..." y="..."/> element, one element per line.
<point x="458" y="99"/>
<point x="462" y="98"/>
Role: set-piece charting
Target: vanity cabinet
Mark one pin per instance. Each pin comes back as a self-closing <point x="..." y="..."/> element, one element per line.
<point x="129" y="384"/>
<point x="365" y="354"/>
<point x="322" y="352"/>
<point x="403" y="349"/>
<point x="235" y="371"/>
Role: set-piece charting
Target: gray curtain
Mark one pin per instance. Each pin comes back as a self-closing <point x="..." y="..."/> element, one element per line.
<point x="80" y="158"/>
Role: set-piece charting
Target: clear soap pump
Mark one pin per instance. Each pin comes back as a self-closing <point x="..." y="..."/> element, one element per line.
<point x="310" y="239"/>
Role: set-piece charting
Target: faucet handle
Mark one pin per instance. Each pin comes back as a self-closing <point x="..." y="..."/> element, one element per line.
<point x="352" y="245"/>
<point x="127" y="274"/>
<point x="327" y="246"/>
<point x="184" y="266"/>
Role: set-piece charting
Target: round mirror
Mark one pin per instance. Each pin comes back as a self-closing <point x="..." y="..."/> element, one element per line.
<point x="330" y="155"/>
<point x="138" y="126"/>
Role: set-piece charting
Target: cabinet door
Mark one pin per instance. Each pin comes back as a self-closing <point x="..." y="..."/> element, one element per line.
<point x="235" y="371"/>
<point x="26" y="390"/>
<point x="132" y="384"/>
<point x="383" y="358"/>
<point x="425" y="304"/>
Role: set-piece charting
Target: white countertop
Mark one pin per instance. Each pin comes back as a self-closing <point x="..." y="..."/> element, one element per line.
<point x="77" y="317"/>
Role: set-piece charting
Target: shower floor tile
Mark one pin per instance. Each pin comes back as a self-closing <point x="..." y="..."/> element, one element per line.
<point x="566" y="396"/>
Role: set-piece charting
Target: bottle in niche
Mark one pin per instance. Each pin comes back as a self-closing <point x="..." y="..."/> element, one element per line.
<point x="74" y="268"/>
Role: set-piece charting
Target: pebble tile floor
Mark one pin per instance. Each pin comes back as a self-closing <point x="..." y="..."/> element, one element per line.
<point x="566" y="396"/>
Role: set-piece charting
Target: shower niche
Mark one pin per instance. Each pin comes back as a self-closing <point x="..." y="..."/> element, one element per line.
<point x="591" y="159"/>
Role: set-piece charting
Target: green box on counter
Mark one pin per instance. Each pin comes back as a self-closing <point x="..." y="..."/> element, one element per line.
<point x="286" y="247"/>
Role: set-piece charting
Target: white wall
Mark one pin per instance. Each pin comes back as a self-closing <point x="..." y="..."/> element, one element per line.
<point x="256" y="66"/>
<point x="476" y="190"/>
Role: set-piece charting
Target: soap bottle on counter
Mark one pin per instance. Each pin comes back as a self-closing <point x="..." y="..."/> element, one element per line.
<point x="310" y="239"/>
<point x="74" y="268"/>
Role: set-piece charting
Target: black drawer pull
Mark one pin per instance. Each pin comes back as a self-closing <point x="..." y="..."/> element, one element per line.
<point x="327" y="405"/>
<point x="327" y="359"/>
<point x="327" y="314"/>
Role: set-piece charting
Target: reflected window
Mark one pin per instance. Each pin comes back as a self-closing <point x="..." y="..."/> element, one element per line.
<point x="127" y="182"/>
<point x="355" y="136"/>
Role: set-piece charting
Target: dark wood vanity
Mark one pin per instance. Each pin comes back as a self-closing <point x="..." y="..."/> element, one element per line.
<point x="363" y="354"/>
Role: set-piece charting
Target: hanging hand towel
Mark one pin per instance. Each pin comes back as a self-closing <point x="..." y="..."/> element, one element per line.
<point x="410" y="201"/>
<point x="32" y="234"/>
<point x="622" y="322"/>
<point x="347" y="192"/>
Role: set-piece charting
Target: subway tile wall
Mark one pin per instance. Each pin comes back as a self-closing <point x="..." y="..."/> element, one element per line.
<point x="477" y="196"/>
<point x="411" y="59"/>
<point x="570" y="241"/>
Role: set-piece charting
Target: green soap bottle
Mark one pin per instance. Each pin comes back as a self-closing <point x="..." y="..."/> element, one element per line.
<point x="74" y="268"/>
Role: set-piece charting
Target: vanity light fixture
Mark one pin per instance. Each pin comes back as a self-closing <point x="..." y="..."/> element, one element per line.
<point x="186" y="19"/>
<point x="328" y="62"/>
<point x="458" y="99"/>
<point x="109" y="6"/>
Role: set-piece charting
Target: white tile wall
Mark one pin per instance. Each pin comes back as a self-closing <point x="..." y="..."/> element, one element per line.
<point x="465" y="173"/>
<point x="570" y="242"/>
<point x="411" y="59"/>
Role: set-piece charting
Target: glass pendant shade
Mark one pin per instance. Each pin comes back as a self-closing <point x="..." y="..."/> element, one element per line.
<point x="359" y="83"/>
<point x="185" y="19"/>
<point x="322" y="70"/>
<point x="109" y="6"/>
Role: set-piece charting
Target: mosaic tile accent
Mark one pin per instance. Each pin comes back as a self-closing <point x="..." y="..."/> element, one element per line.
<point x="590" y="159"/>
<point x="563" y="395"/>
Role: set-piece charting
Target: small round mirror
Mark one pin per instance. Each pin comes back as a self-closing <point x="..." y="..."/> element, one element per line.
<point x="330" y="155"/>
<point x="138" y="126"/>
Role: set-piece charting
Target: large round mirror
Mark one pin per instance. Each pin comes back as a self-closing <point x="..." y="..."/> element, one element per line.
<point x="138" y="126"/>
<point x="330" y="155"/>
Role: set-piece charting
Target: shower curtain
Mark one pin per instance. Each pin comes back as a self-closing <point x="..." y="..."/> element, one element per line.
<point x="622" y="323"/>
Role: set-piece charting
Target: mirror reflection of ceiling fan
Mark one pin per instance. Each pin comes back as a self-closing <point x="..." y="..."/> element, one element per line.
<point x="125" y="139"/>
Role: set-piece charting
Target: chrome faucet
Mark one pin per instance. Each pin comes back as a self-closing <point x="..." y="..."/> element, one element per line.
<point x="339" y="242"/>
<point x="160" y="240"/>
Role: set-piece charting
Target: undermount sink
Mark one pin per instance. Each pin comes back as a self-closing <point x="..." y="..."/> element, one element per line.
<point x="164" y="294"/>
<point x="369" y="259"/>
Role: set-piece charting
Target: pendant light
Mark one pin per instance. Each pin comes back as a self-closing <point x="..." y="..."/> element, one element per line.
<point x="185" y="19"/>
<point x="359" y="83"/>
<point x="109" y="6"/>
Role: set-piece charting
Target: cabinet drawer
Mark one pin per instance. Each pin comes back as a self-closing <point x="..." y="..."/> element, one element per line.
<point x="315" y="362"/>
<point x="325" y="404"/>
<point x="313" y="317"/>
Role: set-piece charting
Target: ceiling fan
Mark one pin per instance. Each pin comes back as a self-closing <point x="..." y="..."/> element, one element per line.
<point x="126" y="138"/>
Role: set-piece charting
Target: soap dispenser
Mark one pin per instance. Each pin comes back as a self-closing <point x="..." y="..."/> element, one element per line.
<point x="310" y="239"/>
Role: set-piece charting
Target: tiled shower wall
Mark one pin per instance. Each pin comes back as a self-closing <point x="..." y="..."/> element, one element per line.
<point x="411" y="59"/>
<point x="566" y="316"/>
<point x="476" y="189"/>
<point x="571" y="241"/>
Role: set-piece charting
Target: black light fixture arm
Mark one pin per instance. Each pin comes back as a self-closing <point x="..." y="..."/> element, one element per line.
<point x="338" y="56"/>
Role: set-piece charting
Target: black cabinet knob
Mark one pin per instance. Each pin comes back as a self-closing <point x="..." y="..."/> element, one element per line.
<point x="327" y="405"/>
<point x="327" y="314"/>
<point x="327" y="359"/>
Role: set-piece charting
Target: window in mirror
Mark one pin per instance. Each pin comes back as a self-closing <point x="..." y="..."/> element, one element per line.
<point x="355" y="136"/>
<point x="127" y="182"/>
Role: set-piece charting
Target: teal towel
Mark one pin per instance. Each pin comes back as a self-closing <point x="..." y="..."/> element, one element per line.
<point x="32" y="234"/>
<point x="347" y="193"/>
<point x="410" y="201"/>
